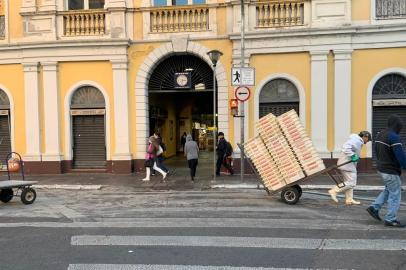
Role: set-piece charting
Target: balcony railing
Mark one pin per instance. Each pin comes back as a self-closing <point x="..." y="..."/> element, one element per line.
<point x="2" y="26"/>
<point x="169" y="20"/>
<point x="390" y="9"/>
<point x="84" y="23"/>
<point x="282" y="13"/>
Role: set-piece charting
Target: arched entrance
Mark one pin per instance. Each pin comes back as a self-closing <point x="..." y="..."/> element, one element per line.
<point x="278" y="96"/>
<point x="388" y="97"/>
<point x="87" y="109"/>
<point x="5" y="141"/>
<point x="180" y="92"/>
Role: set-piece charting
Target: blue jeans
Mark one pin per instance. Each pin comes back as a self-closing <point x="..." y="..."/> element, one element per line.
<point x="391" y="194"/>
<point x="160" y="163"/>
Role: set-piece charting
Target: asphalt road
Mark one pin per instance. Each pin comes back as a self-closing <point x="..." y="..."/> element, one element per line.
<point x="118" y="228"/>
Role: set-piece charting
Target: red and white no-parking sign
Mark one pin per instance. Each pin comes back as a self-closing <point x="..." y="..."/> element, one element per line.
<point x="242" y="93"/>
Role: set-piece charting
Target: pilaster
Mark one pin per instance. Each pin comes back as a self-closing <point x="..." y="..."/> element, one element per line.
<point x="342" y="98"/>
<point x="51" y="111"/>
<point x="319" y="101"/>
<point x="32" y="126"/>
<point x="121" y="110"/>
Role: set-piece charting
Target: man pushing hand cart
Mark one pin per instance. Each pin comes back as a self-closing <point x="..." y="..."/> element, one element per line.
<point x="284" y="156"/>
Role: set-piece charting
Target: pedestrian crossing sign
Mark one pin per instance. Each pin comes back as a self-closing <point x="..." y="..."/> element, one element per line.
<point x="242" y="76"/>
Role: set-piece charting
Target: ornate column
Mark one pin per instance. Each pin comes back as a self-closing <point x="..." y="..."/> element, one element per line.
<point x="32" y="126"/>
<point x="122" y="156"/>
<point x="51" y="117"/>
<point x="319" y="101"/>
<point x="342" y="98"/>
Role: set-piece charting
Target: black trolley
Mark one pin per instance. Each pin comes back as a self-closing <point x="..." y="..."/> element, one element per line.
<point x="291" y="193"/>
<point x="16" y="188"/>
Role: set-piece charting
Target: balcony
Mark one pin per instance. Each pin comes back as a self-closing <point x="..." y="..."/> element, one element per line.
<point x="274" y="14"/>
<point x="390" y="9"/>
<point x="179" y="19"/>
<point x="84" y="23"/>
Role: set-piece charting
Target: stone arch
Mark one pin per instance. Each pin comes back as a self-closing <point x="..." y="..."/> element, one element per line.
<point x="141" y="86"/>
<point x="295" y="82"/>
<point x="375" y="79"/>
<point x="67" y="126"/>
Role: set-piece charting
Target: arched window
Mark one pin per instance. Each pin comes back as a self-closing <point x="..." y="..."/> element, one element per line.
<point x="391" y="86"/>
<point x="278" y="96"/>
<point x="87" y="97"/>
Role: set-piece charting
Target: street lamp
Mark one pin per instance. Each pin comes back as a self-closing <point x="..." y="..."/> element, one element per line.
<point x="214" y="57"/>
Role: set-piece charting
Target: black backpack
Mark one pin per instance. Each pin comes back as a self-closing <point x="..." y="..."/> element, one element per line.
<point x="229" y="149"/>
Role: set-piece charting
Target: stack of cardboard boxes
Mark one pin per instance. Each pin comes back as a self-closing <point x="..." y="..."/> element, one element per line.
<point x="282" y="153"/>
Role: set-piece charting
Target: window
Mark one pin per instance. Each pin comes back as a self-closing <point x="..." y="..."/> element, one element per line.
<point x="85" y="4"/>
<point x="387" y="9"/>
<point x="159" y="3"/>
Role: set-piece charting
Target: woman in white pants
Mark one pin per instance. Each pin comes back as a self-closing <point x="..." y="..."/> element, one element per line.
<point x="350" y="151"/>
<point x="150" y="159"/>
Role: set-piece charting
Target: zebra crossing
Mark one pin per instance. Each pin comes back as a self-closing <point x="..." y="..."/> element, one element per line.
<point x="320" y="233"/>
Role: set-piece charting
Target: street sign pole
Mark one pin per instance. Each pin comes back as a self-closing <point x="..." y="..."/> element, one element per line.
<point x="242" y="103"/>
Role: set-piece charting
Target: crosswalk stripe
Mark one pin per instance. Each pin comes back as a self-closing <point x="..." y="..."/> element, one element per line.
<point x="243" y="242"/>
<point x="282" y="223"/>
<point x="167" y="267"/>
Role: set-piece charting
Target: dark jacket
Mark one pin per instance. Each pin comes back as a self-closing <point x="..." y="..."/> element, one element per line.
<point x="221" y="147"/>
<point x="390" y="157"/>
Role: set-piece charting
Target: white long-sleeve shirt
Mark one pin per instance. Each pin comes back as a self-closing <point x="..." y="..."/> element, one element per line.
<point x="352" y="146"/>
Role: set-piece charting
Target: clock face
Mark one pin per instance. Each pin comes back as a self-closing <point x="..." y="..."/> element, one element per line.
<point x="182" y="80"/>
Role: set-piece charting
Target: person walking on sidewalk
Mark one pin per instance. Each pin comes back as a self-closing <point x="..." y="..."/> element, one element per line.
<point x="150" y="159"/>
<point x="192" y="155"/>
<point x="350" y="152"/>
<point x="390" y="159"/>
<point x="222" y="155"/>
<point x="161" y="151"/>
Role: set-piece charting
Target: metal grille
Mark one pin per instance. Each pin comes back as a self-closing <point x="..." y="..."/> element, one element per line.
<point x="2" y="26"/>
<point x="162" y="78"/>
<point x="5" y="143"/>
<point x="89" y="151"/>
<point x="390" y="86"/>
<point x="4" y="101"/>
<point x="87" y="97"/>
<point x="389" y="9"/>
<point x="279" y="90"/>
<point x="277" y="108"/>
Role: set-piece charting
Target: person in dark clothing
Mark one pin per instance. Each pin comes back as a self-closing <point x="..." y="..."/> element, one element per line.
<point x="221" y="155"/>
<point x="390" y="159"/>
<point x="192" y="155"/>
<point x="183" y="141"/>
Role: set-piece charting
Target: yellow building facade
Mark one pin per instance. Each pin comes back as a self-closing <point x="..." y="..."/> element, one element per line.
<point x="84" y="83"/>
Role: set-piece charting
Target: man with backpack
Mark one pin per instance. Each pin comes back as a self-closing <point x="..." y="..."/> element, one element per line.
<point x="224" y="153"/>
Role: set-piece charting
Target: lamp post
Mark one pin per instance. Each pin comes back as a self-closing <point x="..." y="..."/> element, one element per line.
<point x="214" y="56"/>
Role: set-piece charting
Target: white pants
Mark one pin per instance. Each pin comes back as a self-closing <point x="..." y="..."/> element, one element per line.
<point x="350" y="178"/>
<point x="156" y="168"/>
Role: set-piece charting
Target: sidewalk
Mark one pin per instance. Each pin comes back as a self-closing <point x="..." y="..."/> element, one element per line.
<point x="177" y="180"/>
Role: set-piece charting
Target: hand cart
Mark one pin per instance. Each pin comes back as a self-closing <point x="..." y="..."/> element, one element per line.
<point x="19" y="188"/>
<point x="291" y="193"/>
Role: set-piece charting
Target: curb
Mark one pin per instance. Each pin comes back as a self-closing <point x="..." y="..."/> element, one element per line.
<point x="305" y="187"/>
<point x="69" y="187"/>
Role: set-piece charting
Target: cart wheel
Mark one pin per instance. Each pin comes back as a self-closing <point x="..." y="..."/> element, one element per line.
<point x="290" y="195"/>
<point x="6" y="195"/>
<point x="28" y="195"/>
<point x="299" y="188"/>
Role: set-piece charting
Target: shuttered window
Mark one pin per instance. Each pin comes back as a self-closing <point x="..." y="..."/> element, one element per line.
<point x="380" y="120"/>
<point x="89" y="150"/>
<point x="5" y="143"/>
